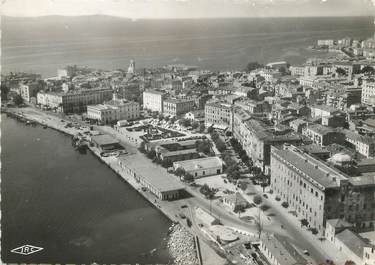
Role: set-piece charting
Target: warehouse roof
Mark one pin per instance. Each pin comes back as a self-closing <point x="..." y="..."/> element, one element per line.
<point x="153" y="174"/>
<point x="311" y="167"/>
<point x="200" y="163"/>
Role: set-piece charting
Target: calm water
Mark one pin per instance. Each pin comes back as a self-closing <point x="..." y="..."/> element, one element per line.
<point x="72" y="205"/>
<point x="42" y="45"/>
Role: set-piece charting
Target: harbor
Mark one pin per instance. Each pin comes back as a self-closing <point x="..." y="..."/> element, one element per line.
<point x="79" y="139"/>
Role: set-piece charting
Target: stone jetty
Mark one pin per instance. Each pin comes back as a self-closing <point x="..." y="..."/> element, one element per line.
<point x="181" y="246"/>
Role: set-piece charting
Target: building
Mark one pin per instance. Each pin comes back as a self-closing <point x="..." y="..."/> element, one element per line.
<point x="364" y="145"/>
<point x="318" y="192"/>
<point x="322" y="135"/>
<point x="29" y="90"/>
<point x="173" y="150"/>
<point x="360" y="202"/>
<point x="368" y="92"/>
<point x="129" y="91"/>
<point x="105" y="142"/>
<point x="319" y="111"/>
<point x="327" y="42"/>
<point x="235" y="201"/>
<point x="279" y="251"/>
<point x="153" y="100"/>
<point x="201" y="167"/>
<point x="352" y="245"/>
<point x="257" y="138"/>
<point x="218" y="114"/>
<point x="177" y="107"/>
<point x="113" y="111"/>
<point x="253" y="106"/>
<point x="297" y="70"/>
<point x="298" y="125"/>
<point x="131" y="68"/>
<point x="152" y="177"/>
<point x="335" y="226"/>
<point x="75" y="101"/>
<point x="310" y="187"/>
<point x="369" y="250"/>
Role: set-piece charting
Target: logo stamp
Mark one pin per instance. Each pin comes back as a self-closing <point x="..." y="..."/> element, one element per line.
<point x="26" y="250"/>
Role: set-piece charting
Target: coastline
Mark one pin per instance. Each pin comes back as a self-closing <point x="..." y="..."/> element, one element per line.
<point x="53" y="122"/>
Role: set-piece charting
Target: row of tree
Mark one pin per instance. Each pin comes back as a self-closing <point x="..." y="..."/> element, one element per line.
<point x="151" y="154"/>
<point x="220" y="144"/>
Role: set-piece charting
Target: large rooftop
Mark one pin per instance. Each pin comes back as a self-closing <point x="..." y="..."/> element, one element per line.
<point x="315" y="171"/>
<point x="155" y="175"/>
<point x="194" y="164"/>
<point x="283" y="251"/>
<point x="352" y="241"/>
<point x="270" y="133"/>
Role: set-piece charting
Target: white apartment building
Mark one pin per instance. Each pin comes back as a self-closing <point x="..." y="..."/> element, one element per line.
<point x="153" y="100"/>
<point x="28" y="90"/>
<point x="363" y="144"/>
<point x="368" y="92"/>
<point x="113" y="111"/>
<point x="176" y="107"/>
<point x="74" y="101"/>
<point x="310" y="187"/>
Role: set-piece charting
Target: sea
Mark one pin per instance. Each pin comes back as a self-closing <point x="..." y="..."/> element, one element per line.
<point x="71" y="205"/>
<point x="44" y="44"/>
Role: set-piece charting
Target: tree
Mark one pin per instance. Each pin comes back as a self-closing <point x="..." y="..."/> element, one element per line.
<point x="257" y="199"/>
<point x="160" y="117"/>
<point x="368" y="70"/>
<point x="340" y="71"/>
<point x="201" y="127"/>
<point x="142" y="148"/>
<point x="195" y="124"/>
<point x="166" y="163"/>
<point x="258" y="224"/>
<point x="243" y="185"/>
<point x="304" y="222"/>
<point x="173" y="119"/>
<point x="179" y="172"/>
<point x="203" y="146"/>
<point x="210" y="130"/>
<point x="151" y="154"/>
<point x="252" y="66"/>
<point x="285" y="204"/>
<point x="185" y="122"/>
<point x="4" y="92"/>
<point x="166" y="118"/>
<point x="188" y="177"/>
<point x="283" y="70"/>
<point x="18" y="100"/>
<point x="220" y="145"/>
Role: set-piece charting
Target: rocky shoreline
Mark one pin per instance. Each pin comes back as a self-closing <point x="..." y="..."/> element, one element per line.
<point x="181" y="246"/>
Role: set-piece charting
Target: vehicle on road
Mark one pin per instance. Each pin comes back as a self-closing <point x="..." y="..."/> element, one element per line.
<point x="265" y="196"/>
<point x="306" y="252"/>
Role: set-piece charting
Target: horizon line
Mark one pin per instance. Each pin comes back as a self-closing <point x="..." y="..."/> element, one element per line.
<point x="176" y="18"/>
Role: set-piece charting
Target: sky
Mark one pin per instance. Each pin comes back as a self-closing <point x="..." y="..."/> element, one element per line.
<point x="188" y="8"/>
